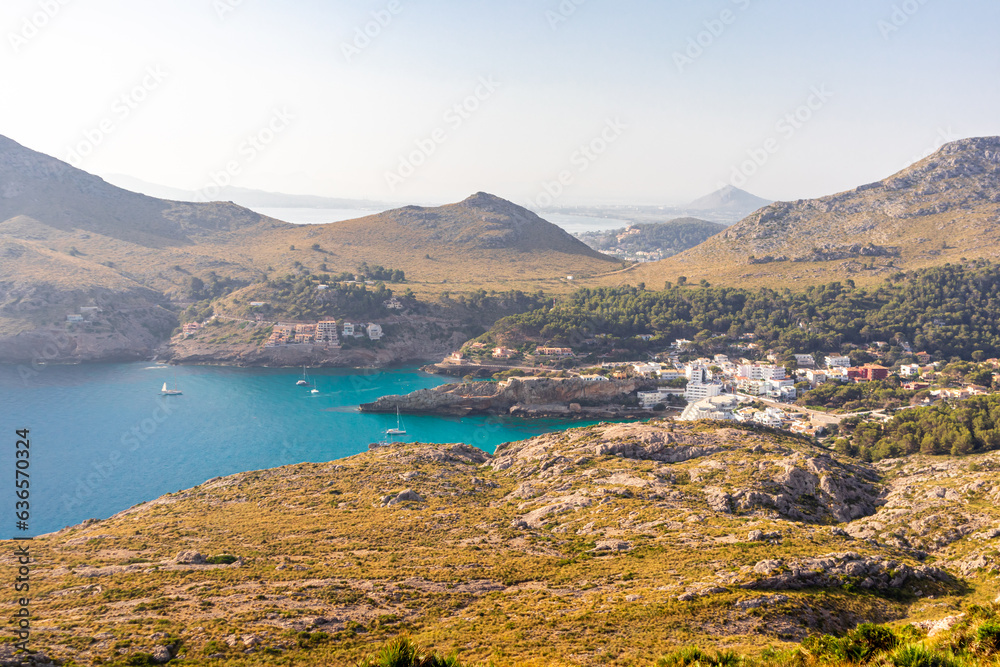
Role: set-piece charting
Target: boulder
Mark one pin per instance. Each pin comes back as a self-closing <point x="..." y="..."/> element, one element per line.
<point x="189" y="558"/>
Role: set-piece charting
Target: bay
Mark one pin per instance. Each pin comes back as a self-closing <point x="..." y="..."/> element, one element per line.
<point x="103" y="439"/>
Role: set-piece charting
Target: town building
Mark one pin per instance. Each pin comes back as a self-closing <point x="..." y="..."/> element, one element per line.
<point x="909" y="370"/>
<point x="834" y="361"/>
<point x="503" y="353"/>
<point x="715" y="407"/>
<point x="804" y="360"/>
<point x="761" y="372"/>
<point x="326" y="332"/>
<point x="646" y="370"/>
<point x="554" y="351"/>
<point x="375" y="332"/>
<point x="696" y="391"/>
<point x="815" y="377"/>
<point x="868" y="373"/>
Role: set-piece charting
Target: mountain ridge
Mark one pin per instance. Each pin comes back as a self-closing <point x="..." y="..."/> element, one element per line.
<point x="943" y="207"/>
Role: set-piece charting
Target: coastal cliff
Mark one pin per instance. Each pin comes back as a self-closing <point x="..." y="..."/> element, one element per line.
<point x="536" y="396"/>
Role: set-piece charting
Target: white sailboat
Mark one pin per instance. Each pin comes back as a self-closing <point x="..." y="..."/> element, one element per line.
<point x="399" y="430"/>
<point x="304" y="382"/>
<point x="165" y="391"/>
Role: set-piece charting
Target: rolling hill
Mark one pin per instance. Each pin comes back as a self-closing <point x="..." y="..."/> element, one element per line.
<point x="69" y="239"/>
<point x="941" y="209"/>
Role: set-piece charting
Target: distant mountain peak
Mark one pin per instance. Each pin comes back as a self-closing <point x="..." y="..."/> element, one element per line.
<point x="729" y="198"/>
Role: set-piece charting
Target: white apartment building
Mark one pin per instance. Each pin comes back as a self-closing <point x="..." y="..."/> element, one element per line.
<point x="326" y="331"/>
<point x="650" y="399"/>
<point x="697" y="373"/>
<point x="348" y="329"/>
<point x="781" y="390"/>
<point x="715" y="407"/>
<point x="375" y="332"/>
<point x="646" y="370"/>
<point x="815" y="377"/>
<point x="837" y="362"/>
<point x="696" y="391"/>
<point x="761" y="372"/>
<point x="909" y="370"/>
<point x="804" y="360"/>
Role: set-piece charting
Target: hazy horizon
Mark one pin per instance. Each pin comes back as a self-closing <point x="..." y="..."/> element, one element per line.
<point x="544" y="102"/>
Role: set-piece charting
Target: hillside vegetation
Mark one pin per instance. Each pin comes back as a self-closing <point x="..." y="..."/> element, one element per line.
<point x="927" y="308"/>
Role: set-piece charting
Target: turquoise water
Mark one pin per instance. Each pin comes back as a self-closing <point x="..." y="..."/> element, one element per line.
<point x="102" y="438"/>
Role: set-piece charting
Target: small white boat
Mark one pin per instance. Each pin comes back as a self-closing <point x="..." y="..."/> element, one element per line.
<point x="304" y="382"/>
<point x="314" y="391"/>
<point x="399" y="430"/>
<point x="170" y="392"/>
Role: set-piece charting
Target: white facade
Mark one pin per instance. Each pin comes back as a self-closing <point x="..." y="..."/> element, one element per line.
<point x="716" y="407"/>
<point x="326" y="331"/>
<point x="761" y="372"/>
<point x="696" y="391"/>
<point x="374" y="332"/>
<point x="348" y="329"/>
<point x="650" y="399"/>
<point x="909" y="370"/>
<point x="815" y="377"/>
<point x="782" y="390"/>
<point x="697" y="372"/>
<point x="647" y="370"/>
<point x="837" y="362"/>
<point x="804" y="360"/>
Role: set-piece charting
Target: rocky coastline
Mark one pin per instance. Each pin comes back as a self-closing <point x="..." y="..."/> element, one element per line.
<point x="522" y="396"/>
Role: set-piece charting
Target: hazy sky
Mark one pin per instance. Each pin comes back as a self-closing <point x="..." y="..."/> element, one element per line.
<point x="443" y="98"/>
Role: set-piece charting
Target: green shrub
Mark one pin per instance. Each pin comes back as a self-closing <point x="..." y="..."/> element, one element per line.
<point x="695" y="657"/>
<point x="224" y="559"/>
<point x="987" y="640"/>
<point x="402" y="652"/>
<point x="919" y="656"/>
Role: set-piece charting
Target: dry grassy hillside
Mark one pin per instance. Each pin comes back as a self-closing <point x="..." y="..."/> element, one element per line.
<point x="607" y="545"/>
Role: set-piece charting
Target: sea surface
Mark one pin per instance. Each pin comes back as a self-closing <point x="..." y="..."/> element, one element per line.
<point x="315" y="216"/>
<point x="103" y="439"/>
<point x="574" y="224"/>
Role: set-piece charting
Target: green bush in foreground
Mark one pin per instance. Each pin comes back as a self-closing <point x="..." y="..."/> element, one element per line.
<point x="972" y="642"/>
<point x="402" y="652"/>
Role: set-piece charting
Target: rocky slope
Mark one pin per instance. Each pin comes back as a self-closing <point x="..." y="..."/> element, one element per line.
<point x="944" y="207"/>
<point x="509" y="396"/>
<point x="604" y="545"/>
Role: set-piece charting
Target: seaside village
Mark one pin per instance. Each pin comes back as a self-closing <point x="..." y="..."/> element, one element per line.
<point x="324" y="332"/>
<point x="743" y="390"/>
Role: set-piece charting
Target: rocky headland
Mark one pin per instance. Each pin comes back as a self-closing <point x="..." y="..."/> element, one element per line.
<point x="521" y="396"/>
